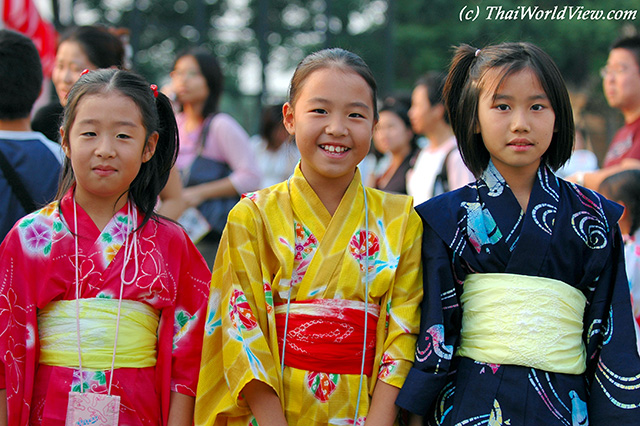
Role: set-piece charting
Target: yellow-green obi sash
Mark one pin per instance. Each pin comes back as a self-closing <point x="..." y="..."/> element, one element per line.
<point x="523" y="320"/>
<point x="136" y="338"/>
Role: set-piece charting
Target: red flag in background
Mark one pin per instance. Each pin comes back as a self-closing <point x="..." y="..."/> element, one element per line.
<point x="23" y="16"/>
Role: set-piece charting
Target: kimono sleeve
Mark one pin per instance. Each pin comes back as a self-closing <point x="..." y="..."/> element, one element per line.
<point x="613" y="366"/>
<point x="189" y="317"/>
<point x="403" y="315"/>
<point x="18" y="323"/>
<point x="439" y="327"/>
<point x="236" y="346"/>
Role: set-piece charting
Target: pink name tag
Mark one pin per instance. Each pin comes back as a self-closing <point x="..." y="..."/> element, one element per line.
<point x="94" y="409"/>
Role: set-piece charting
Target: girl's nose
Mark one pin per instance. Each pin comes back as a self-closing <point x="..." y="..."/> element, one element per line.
<point x="520" y="122"/>
<point x="336" y="127"/>
<point x="105" y="148"/>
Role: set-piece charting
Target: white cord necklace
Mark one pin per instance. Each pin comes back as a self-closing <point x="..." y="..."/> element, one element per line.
<point x="128" y="248"/>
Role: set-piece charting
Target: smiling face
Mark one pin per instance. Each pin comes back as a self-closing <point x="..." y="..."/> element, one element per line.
<point x="71" y="60"/>
<point x="516" y="122"/>
<point x="106" y="146"/>
<point x="332" y="120"/>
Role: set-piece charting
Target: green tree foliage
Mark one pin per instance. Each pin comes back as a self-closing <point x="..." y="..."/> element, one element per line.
<point x="426" y="32"/>
<point x="399" y="39"/>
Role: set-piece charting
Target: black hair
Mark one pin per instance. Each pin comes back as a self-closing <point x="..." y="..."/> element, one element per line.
<point x="401" y="109"/>
<point x="270" y="119"/>
<point x="333" y="57"/>
<point x="157" y="116"/>
<point x="624" y="187"/>
<point x="466" y="79"/>
<point x="434" y="82"/>
<point x="210" y="69"/>
<point x="630" y="43"/>
<point x="103" y="49"/>
<point x="20" y="75"/>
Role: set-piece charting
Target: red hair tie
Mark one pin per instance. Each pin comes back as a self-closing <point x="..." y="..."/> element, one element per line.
<point x="154" y="88"/>
<point x="86" y="71"/>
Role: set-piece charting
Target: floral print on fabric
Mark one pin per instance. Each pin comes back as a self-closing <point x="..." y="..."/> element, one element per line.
<point x="37" y="266"/>
<point x="282" y="244"/>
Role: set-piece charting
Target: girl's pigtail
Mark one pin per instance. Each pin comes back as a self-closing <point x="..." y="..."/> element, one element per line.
<point x="460" y="96"/>
<point x="456" y="82"/>
<point x="168" y="141"/>
<point x="154" y="174"/>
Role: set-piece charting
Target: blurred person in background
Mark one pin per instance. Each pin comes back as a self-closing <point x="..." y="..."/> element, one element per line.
<point x="621" y="85"/>
<point x="439" y="167"/>
<point x="30" y="164"/>
<point x="394" y="134"/>
<point x="216" y="159"/>
<point x="276" y="154"/>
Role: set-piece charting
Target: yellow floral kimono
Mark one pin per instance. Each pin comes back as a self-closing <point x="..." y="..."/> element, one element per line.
<point x="283" y="239"/>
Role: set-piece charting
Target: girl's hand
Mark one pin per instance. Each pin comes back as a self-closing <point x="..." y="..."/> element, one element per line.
<point x="264" y="403"/>
<point x="181" y="409"/>
<point x="3" y="407"/>
<point x="383" y="410"/>
<point x="192" y="196"/>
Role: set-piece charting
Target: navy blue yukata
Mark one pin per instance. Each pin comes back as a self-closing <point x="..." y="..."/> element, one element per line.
<point x="569" y="234"/>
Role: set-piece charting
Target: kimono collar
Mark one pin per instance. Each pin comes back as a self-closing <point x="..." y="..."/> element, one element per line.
<point x="85" y="224"/>
<point x="484" y="223"/>
<point x="306" y="203"/>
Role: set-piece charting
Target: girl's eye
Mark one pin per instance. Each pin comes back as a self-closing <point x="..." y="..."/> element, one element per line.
<point x="537" y="107"/>
<point x="319" y="111"/>
<point x="356" y="115"/>
<point x="123" y="136"/>
<point x="88" y="134"/>
<point x="502" y="107"/>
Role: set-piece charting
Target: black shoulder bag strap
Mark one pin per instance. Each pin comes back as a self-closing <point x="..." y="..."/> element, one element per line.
<point x="16" y="185"/>
<point x="442" y="178"/>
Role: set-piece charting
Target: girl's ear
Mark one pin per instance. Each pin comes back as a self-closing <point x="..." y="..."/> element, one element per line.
<point x="150" y="147"/>
<point x="63" y="143"/>
<point x="288" y="119"/>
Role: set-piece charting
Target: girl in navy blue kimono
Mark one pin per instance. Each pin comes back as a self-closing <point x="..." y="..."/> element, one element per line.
<point x="526" y="317"/>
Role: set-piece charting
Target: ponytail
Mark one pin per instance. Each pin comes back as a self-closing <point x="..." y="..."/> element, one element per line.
<point x="461" y="101"/>
<point x="154" y="174"/>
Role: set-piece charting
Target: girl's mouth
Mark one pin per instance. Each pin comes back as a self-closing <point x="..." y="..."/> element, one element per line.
<point x="338" y="149"/>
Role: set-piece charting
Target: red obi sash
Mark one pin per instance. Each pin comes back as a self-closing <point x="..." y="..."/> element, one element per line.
<point x="327" y="335"/>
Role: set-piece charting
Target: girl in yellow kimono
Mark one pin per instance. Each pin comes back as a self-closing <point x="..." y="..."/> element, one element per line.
<point x="314" y="304"/>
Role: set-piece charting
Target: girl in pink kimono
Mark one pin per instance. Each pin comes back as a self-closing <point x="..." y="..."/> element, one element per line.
<point x="102" y="302"/>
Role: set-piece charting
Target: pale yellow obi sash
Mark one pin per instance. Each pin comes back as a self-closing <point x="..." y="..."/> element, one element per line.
<point x="523" y="320"/>
<point x="136" y="341"/>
